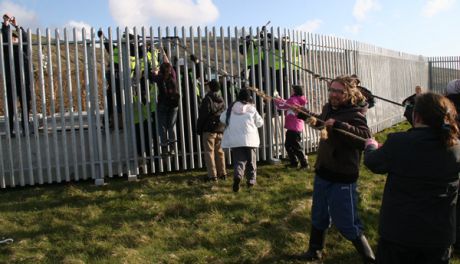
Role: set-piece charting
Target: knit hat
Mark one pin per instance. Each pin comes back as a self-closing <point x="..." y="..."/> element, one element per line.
<point x="453" y="87"/>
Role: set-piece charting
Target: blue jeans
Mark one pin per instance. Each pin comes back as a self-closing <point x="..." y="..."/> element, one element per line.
<point x="336" y="203"/>
<point x="167" y="118"/>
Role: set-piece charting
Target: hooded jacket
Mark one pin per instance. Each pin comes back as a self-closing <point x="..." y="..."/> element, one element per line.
<point x="242" y="128"/>
<point x="339" y="155"/>
<point x="292" y="122"/>
<point x="209" y="114"/>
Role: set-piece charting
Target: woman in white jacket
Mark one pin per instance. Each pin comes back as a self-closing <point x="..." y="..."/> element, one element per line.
<point x="241" y="135"/>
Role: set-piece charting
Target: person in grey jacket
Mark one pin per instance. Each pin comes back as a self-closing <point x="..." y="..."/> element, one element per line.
<point x="417" y="217"/>
<point x="241" y="135"/>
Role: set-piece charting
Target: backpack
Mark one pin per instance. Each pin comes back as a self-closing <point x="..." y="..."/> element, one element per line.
<point x="171" y="93"/>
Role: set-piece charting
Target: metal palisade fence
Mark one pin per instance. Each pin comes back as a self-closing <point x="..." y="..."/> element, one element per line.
<point x="442" y="71"/>
<point x="92" y="108"/>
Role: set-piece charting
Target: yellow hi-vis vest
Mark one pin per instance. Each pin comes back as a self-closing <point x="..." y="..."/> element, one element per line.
<point x="253" y="59"/>
<point x="275" y="59"/>
<point x="152" y="90"/>
<point x="296" y="56"/>
<point x="116" y="59"/>
<point x="144" y="107"/>
<point x="153" y="62"/>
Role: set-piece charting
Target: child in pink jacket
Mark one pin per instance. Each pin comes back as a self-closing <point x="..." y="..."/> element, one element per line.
<point x="294" y="126"/>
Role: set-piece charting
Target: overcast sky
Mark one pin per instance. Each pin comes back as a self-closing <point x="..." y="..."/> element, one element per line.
<point x="423" y="27"/>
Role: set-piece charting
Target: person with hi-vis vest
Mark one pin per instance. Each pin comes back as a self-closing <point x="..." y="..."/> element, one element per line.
<point x="146" y="105"/>
<point x="114" y="87"/>
<point x="256" y="57"/>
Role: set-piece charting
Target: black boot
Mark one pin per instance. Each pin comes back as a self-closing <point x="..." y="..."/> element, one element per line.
<point x="363" y="248"/>
<point x="317" y="241"/>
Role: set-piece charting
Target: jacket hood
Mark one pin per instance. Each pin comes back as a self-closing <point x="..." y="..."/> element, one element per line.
<point x="351" y="108"/>
<point x="301" y="99"/>
<point x="215" y="97"/>
<point x="240" y="108"/>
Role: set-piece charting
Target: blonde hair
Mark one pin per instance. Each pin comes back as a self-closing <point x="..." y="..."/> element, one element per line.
<point x="352" y="92"/>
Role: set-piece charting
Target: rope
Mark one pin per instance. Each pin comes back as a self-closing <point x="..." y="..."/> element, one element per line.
<point x="267" y="97"/>
<point x="305" y="112"/>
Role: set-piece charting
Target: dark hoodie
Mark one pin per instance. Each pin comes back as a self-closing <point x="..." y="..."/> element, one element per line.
<point x="339" y="155"/>
<point x="210" y="109"/>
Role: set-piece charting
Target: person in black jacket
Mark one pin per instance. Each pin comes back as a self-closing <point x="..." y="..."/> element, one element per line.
<point x="337" y="168"/>
<point x="417" y="217"/>
<point x="211" y="129"/>
<point x="453" y="94"/>
<point x="14" y="84"/>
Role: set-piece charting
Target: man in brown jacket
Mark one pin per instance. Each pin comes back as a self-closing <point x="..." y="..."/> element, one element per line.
<point x="337" y="168"/>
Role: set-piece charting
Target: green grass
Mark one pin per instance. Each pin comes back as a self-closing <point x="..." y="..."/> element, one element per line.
<point x="176" y="218"/>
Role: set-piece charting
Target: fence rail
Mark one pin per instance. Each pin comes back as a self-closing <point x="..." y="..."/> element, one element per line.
<point x="81" y="129"/>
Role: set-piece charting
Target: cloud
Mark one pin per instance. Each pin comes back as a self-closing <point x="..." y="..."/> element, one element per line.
<point x="433" y="7"/>
<point x="354" y="29"/>
<point x="310" y="26"/>
<point x="363" y="7"/>
<point x="163" y="12"/>
<point x="24" y="17"/>
<point x="78" y="25"/>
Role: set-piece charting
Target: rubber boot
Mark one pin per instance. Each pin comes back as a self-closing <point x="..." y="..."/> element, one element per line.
<point x="363" y="248"/>
<point x="315" y="248"/>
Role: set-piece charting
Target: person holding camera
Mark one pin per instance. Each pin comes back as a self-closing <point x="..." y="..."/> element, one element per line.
<point x="13" y="71"/>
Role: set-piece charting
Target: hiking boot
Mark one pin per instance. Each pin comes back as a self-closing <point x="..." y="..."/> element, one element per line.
<point x="236" y="184"/>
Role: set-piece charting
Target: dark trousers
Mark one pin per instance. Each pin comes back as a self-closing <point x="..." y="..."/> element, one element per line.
<point x="113" y="88"/>
<point x="245" y="163"/>
<point x="294" y="148"/>
<point x="147" y="147"/>
<point x="336" y="202"/>
<point x="391" y="253"/>
<point x="167" y="118"/>
<point x="9" y="95"/>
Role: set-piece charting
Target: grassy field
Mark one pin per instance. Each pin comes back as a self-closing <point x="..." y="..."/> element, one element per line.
<point x="176" y="218"/>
